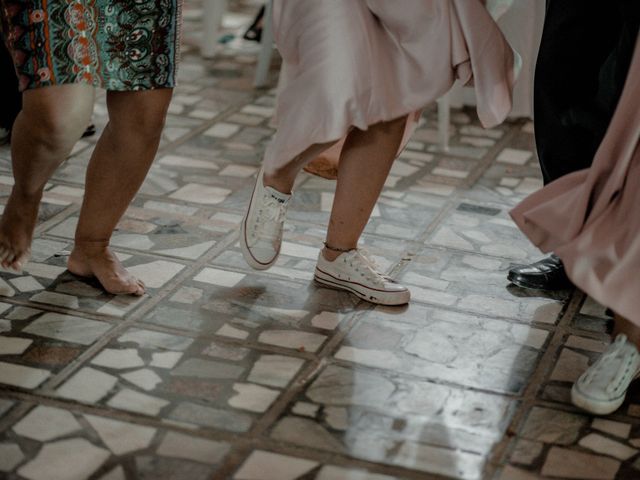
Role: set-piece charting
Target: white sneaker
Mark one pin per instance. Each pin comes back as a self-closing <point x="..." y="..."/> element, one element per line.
<point x="602" y="388"/>
<point x="261" y="229"/>
<point x="354" y="272"/>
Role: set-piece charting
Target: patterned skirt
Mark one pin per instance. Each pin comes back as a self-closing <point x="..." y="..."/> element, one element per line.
<point x="118" y="45"/>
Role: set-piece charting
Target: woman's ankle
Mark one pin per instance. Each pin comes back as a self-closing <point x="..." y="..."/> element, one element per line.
<point x="278" y="181"/>
<point x="330" y="252"/>
<point x="89" y="246"/>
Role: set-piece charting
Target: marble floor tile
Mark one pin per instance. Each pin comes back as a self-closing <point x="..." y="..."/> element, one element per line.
<point x="257" y="308"/>
<point x="171" y="232"/>
<point x="477" y="284"/>
<point x="72" y="458"/>
<point x="53" y="443"/>
<point x="46" y="423"/>
<point x="67" y="328"/>
<point x="561" y="444"/>
<point x="191" y="380"/>
<point x="263" y="465"/>
<point x="446" y="346"/>
<point x="388" y="418"/>
<point x="177" y="445"/>
<point x="484" y="228"/>
<point x="36" y="344"/>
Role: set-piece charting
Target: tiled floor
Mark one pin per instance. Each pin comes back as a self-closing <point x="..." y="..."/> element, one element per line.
<point x="223" y="372"/>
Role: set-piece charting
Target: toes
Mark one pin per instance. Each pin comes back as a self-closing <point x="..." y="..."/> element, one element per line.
<point x="16" y="266"/>
<point x="132" y="287"/>
<point x="141" y="289"/>
<point x="19" y="262"/>
<point x="5" y="252"/>
<point x="10" y="260"/>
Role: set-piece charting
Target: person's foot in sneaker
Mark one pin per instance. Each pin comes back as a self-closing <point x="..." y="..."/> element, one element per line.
<point x="354" y="272"/>
<point x="602" y="388"/>
<point x="261" y="229"/>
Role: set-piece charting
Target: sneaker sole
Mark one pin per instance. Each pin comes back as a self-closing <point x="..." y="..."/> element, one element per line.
<point x="372" y="296"/>
<point x="591" y="405"/>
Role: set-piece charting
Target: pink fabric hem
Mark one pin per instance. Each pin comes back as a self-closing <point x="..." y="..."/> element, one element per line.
<point x="355" y="63"/>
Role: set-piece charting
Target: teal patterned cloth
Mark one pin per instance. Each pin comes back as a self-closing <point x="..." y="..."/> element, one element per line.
<point x="114" y="44"/>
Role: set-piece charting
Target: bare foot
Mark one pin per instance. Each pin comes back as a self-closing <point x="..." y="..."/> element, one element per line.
<point x="16" y="230"/>
<point x="97" y="260"/>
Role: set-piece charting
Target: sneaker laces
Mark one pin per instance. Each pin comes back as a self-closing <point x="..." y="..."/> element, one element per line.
<point x="270" y="217"/>
<point x="615" y="352"/>
<point x="362" y="258"/>
<point x="623" y="372"/>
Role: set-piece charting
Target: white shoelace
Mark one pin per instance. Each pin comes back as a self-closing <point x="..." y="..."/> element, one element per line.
<point x="362" y="263"/>
<point x="613" y="353"/>
<point x="269" y="219"/>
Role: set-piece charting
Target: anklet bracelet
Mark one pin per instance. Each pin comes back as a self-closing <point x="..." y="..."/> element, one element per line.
<point x="335" y="249"/>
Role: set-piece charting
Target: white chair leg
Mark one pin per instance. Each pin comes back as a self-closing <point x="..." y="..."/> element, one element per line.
<point x="212" y="20"/>
<point x="264" y="58"/>
<point x="444" y="117"/>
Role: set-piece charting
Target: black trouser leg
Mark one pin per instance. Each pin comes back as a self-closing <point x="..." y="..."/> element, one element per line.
<point x="582" y="65"/>
<point x="10" y="97"/>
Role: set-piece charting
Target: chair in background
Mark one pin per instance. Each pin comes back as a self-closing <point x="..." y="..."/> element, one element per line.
<point x="213" y="12"/>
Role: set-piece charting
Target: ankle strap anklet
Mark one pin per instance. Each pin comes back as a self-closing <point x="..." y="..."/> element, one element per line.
<point x="335" y="249"/>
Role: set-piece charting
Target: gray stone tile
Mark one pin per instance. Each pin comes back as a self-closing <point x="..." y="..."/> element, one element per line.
<point x="366" y="412"/>
<point x="477" y="284"/>
<point x="446" y="346"/>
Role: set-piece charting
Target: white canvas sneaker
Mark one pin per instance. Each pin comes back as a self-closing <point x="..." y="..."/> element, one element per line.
<point x="261" y="229"/>
<point x="354" y="272"/>
<point x="602" y="388"/>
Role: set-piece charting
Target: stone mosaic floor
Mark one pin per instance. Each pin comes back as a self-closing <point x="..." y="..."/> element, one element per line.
<point x="222" y="372"/>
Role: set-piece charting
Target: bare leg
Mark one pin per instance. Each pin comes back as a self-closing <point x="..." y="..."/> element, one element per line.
<point x="282" y="179"/>
<point x="365" y="162"/>
<point x="119" y="165"/>
<point x="632" y="331"/>
<point x="50" y="123"/>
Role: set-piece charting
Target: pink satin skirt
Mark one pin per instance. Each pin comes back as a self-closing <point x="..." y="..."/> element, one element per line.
<point x="355" y="63"/>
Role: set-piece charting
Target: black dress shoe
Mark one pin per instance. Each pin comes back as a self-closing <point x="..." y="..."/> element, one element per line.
<point x="547" y="274"/>
<point x="89" y="131"/>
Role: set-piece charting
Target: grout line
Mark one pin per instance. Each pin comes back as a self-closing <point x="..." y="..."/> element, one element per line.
<point x="497" y="458"/>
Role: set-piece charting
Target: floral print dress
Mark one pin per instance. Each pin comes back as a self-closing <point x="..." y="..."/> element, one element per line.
<point x="118" y="45"/>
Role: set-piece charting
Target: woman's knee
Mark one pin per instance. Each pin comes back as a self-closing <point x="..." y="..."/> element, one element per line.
<point x="58" y="115"/>
<point x="141" y="112"/>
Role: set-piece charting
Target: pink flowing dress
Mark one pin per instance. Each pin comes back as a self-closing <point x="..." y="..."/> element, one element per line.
<point x="591" y="218"/>
<point x="355" y="63"/>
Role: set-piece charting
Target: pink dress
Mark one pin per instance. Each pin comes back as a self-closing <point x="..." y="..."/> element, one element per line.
<point x="591" y="218"/>
<point x="355" y="63"/>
